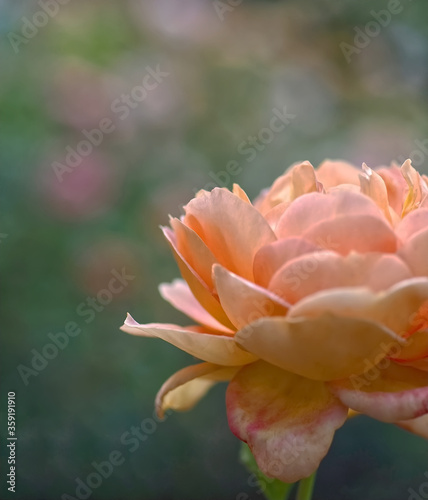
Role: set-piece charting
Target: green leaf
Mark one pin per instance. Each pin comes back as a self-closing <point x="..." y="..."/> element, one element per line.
<point x="272" y="489"/>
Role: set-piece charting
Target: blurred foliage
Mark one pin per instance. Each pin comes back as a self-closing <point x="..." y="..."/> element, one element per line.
<point x="63" y="239"/>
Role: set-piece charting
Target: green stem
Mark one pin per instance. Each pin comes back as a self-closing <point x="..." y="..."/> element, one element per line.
<point x="306" y="488"/>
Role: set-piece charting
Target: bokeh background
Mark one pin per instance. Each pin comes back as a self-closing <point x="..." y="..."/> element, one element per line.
<point x="229" y="66"/>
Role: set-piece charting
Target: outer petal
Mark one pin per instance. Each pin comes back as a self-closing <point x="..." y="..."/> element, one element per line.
<point x="418" y="426"/>
<point x="232" y="228"/>
<point x="413" y="223"/>
<point x="218" y="349"/>
<point x="398" y="393"/>
<point x="186" y="387"/>
<point x="324" y="348"/>
<point x="317" y="271"/>
<point x="396" y="308"/>
<point x="196" y="284"/>
<point x="287" y="421"/>
<point x="179" y="295"/>
<point x="243" y="301"/>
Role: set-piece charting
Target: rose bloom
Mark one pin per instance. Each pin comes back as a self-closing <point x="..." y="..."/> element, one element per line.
<point x="312" y="302"/>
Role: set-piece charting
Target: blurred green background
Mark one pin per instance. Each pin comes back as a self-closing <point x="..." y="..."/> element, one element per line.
<point x="229" y="66"/>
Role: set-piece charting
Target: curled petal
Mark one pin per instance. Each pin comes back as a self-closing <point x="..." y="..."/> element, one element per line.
<point x="323" y="348"/>
<point x="287" y="421"/>
<point x="233" y="229"/>
<point x="198" y="287"/>
<point x="179" y="295"/>
<point x="415" y="188"/>
<point x="186" y="387"/>
<point x="374" y="187"/>
<point x="244" y="301"/>
<point x="217" y="349"/>
<point x="395" y="393"/>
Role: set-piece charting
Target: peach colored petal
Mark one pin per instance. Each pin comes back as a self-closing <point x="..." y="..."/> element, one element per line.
<point x="240" y="193"/>
<point x="332" y="172"/>
<point x="179" y="295"/>
<point x="183" y="390"/>
<point x="418" y="426"/>
<point x="398" y="393"/>
<point x="317" y="271"/>
<point x="347" y="233"/>
<point x="218" y="349"/>
<point x="274" y="215"/>
<point x="395" y="308"/>
<point x="315" y="208"/>
<point x="244" y="301"/>
<point x="373" y="186"/>
<point x="411" y="224"/>
<point x="415" y="253"/>
<point x="287" y="421"/>
<point x="323" y="348"/>
<point x="395" y="185"/>
<point x="416" y="190"/>
<point x="304" y="180"/>
<point x="416" y="348"/>
<point x="196" y="254"/>
<point x="196" y="284"/>
<point x="230" y="227"/>
<point x="271" y="257"/>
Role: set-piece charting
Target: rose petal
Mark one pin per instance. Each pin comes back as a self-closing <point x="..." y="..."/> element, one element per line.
<point x="332" y="173"/>
<point x="218" y="349"/>
<point x="196" y="284"/>
<point x="315" y="208"/>
<point x="359" y="233"/>
<point x="396" y="308"/>
<point x="397" y="393"/>
<point x="415" y="253"/>
<point x="230" y="227"/>
<point x="373" y="185"/>
<point x="287" y="421"/>
<point x="418" y="426"/>
<point x="240" y="193"/>
<point x="179" y="295"/>
<point x="323" y="348"/>
<point x="395" y="185"/>
<point x="243" y="301"/>
<point x="271" y="257"/>
<point x="317" y="271"/>
<point x="186" y="387"/>
<point x="411" y="224"/>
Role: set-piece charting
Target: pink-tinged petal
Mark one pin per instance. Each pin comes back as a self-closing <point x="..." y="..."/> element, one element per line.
<point x="323" y="348"/>
<point x="411" y="224"/>
<point x="373" y="186"/>
<point x="315" y="208"/>
<point x="196" y="254"/>
<point x="287" y="421"/>
<point x="217" y="349"/>
<point x="317" y="271"/>
<point x="397" y="393"/>
<point x="359" y="233"/>
<point x="304" y="180"/>
<point x="415" y="253"/>
<point x="418" y="426"/>
<point x="272" y="257"/>
<point x="243" y="301"/>
<point x="179" y="295"/>
<point x="183" y="390"/>
<point x="332" y="173"/>
<point x="397" y="308"/>
<point x="231" y="228"/>
<point x="274" y="215"/>
<point x="196" y="284"/>
<point x="240" y="193"/>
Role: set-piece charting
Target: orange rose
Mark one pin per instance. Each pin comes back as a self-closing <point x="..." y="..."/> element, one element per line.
<point x="311" y="302"/>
